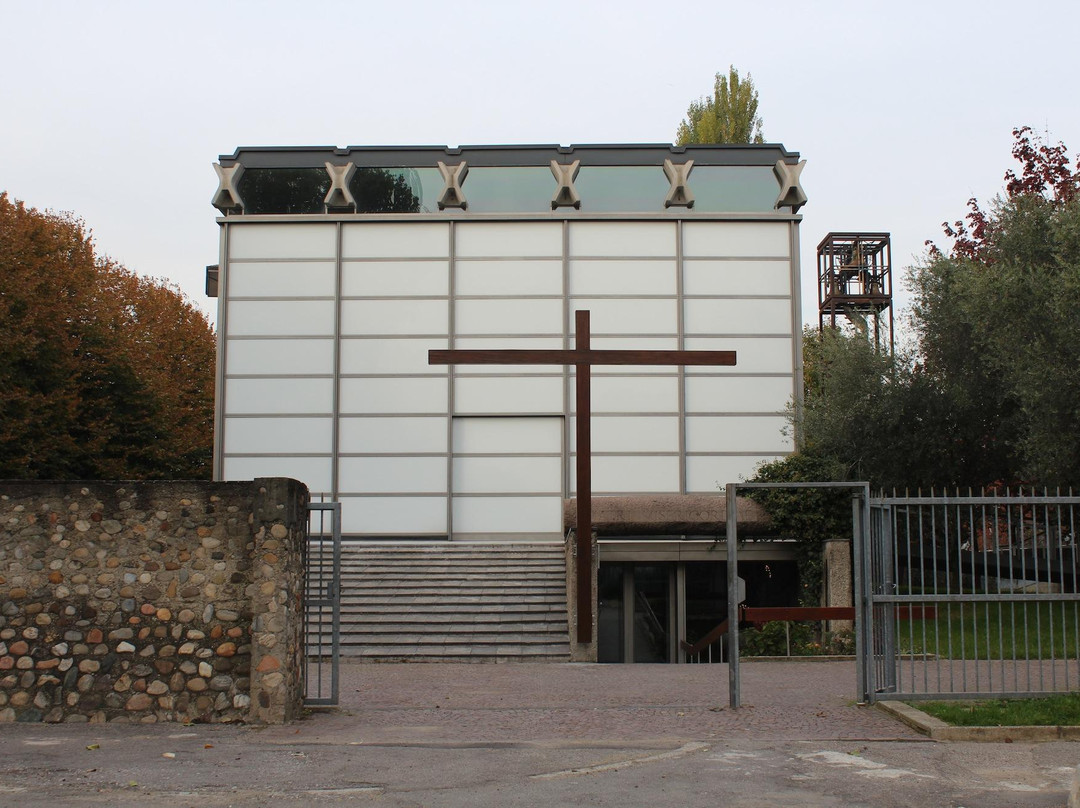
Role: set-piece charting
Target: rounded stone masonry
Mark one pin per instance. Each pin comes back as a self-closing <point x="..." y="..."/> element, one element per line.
<point x="138" y="602"/>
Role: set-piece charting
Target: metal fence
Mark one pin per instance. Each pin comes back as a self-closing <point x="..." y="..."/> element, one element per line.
<point x="322" y="603"/>
<point x="970" y="596"/>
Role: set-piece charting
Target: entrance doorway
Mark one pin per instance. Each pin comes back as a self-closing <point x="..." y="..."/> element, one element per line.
<point x="647" y="608"/>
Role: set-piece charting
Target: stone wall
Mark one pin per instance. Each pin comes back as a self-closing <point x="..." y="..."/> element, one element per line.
<point x="151" y="601"/>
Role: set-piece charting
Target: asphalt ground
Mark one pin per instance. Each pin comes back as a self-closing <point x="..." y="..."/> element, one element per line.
<point x="542" y="734"/>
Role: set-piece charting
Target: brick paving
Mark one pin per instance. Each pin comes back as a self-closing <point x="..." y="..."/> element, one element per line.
<point x="463" y="703"/>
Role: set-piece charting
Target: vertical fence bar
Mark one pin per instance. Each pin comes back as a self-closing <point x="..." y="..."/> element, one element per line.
<point x="734" y="696"/>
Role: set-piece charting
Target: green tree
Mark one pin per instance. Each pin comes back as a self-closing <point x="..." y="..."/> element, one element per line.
<point x="103" y="374"/>
<point x="730" y="115"/>
<point x="991" y="391"/>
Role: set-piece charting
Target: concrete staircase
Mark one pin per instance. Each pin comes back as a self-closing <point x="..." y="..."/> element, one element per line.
<point x="454" y="602"/>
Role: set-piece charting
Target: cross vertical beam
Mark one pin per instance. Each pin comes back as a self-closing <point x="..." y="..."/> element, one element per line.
<point x="584" y="479"/>
<point x="582" y="357"/>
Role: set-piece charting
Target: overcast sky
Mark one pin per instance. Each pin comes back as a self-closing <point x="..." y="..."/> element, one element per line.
<point x="116" y="110"/>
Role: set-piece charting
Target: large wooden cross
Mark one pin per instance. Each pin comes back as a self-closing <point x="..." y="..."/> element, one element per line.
<point x="583" y="358"/>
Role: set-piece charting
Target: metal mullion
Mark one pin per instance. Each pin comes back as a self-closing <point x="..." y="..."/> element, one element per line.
<point x="680" y="326"/>
<point x="451" y="341"/>
<point x="335" y="405"/>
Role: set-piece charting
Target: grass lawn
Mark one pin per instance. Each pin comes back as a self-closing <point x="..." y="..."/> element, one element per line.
<point x="1048" y="711"/>
<point x="995" y="631"/>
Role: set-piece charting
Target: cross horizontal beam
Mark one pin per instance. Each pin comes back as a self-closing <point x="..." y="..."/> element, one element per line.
<point x="578" y="357"/>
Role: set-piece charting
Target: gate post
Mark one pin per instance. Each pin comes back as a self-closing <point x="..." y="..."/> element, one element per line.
<point x="733" y="597"/>
<point x="860" y="506"/>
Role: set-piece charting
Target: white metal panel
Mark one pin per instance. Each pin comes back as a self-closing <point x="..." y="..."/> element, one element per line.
<point x="282" y="279"/>
<point x="269" y="318"/>
<point x="539" y="435"/>
<point x="314" y="472"/>
<point x="279" y="435"/>
<point x="763" y="434"/>
<point x="630" y="474"/>
<point x="736" y="278"/>
<point x="753" y="354"/>
<point x="508" y="475"/>
<point x="393" y="396"/>
<point x="536" y="277"/>
<point x="738" y="393"/>
<point x="708" y="474"/>
<point x="508" y="239"/>
<point x="623" y="278"/>
<point x="395" y="278"/>
<point x="508" y="316"/>
<point x="394" y="317"/>
<point x="390" y="356"/>
<point x="258" y="240"/>
<point x="279" y="356"/>
<point x="632" y="394"/>
<point x="393" y="516"/>
<point x="515" y="343"/>
<point x="645" y="433"/>
<point x="736" y="239"/>
<point x="629" y="316"/>
<point x="533" y="515"/>
<point x="274" y="396"/>
<point x="727" y="316"/>
<point x="392" y="475"/>
<point x="622" y="239"/>
<point x="394" y="240"/>
<point x="398" y="435"/>
<point x="510" y="394"/>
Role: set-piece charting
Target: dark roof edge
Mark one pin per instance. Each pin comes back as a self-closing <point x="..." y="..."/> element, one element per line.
<point x="765" y="154"/>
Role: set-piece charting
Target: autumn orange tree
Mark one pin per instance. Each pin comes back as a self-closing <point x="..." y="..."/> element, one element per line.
<point x="103" y="374"/>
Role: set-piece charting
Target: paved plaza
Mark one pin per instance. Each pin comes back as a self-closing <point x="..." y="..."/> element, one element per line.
<point x="542" y="734"/>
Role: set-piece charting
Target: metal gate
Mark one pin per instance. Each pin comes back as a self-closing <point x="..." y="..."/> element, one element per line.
<point x="969" y="597"/>
<point x="322" y="603"/>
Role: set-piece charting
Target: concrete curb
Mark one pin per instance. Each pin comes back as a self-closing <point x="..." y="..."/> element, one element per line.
<point x="938" y="730"/>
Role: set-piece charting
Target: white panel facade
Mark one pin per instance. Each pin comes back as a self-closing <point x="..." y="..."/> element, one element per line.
<point x="395" y="240"/>
<point x="393" y="516"/>
<point x="270" y="318"/>
<point x="280" y="396"/>
<point x="282" y="241"/>
<point x="415" y="435"/>
<point x="392" y="475"/>
<point x="279" y="436"/>
<point x="277" y="357"/>
<point x="736" y="239"/>
<point x="395" y="279"/>
<point x="476" y="517"/>
<point x="375" y="396"/>
<point x="508" y="394"/>
<point x="636" y="239"/>
<point x="394" y="317"/>
<point x="282" y="279"/>
<point x="390" y="356"/>
<point x="509" y="278"/>
<point x="707" y="316"/>
<point x="508" y="240"/>
<point x="739" y="278"/>
<point x="338" y="392"/>
<point x="511" y="316"/>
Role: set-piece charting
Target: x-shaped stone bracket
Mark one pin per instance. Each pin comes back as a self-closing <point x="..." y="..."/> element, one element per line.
<point x="339" y="197"/>
<point x="227" y="198"/>
<point x="452" y="195"/>
<point x="679" y="195"/>
<point x="791" y="192"/>
<point x="566" y="196"/>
